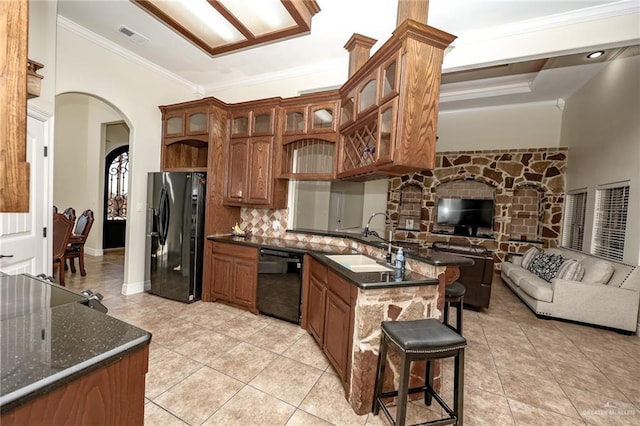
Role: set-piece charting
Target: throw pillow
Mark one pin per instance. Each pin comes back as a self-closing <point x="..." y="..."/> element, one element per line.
<point x="571" y="270"/>
<point x="546" y="265"/>
<point x="528" y="257"/>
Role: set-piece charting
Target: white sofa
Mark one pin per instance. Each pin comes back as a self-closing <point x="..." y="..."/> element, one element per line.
<point x="611" y="302"/>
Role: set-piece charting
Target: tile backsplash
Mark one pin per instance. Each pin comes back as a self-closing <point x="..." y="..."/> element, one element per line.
<point x="264" y="222"/>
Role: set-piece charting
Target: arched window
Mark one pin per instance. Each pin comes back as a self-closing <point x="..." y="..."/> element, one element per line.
<point x="116" y="183"/>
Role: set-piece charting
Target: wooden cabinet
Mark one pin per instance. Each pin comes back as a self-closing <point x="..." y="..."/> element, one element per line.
<point x="185" y="136"/>
<point x="14" y="175"/>
<point x="328" y="311"/>
<point x="388" y="123"/>
<point x="253" y="157"/>
<point x="231" y="275"/>
<point x="310" y="136"/>
<point x="110" y="395"/>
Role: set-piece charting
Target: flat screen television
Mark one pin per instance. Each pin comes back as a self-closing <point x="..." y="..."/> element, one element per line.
<point x="465" y="213"/>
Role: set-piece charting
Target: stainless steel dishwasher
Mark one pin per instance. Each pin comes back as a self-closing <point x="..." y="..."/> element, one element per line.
<point x="280" y="283"/>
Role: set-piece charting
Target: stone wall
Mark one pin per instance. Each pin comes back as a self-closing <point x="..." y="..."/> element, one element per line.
<point x="511" y="174"/>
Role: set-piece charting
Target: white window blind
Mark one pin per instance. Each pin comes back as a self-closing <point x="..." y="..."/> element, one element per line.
<point x="574" y="212"/>
<point x="610" y="221"/>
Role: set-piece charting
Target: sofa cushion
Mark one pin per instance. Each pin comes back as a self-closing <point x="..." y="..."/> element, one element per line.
<point x="537" y="288"/>
<point x="528" y="257"/>
<point x="509" y="269"/>
<point x="571" y="270"/>
<point x="596" y="271"/>
<point x="546" y="265"/>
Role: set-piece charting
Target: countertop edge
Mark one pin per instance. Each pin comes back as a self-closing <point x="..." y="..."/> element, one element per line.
<point x="17" y="397"/>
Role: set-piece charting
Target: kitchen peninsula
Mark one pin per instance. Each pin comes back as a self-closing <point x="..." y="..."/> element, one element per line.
<point x="64" y="362"/>
<point x="340" y="308"/>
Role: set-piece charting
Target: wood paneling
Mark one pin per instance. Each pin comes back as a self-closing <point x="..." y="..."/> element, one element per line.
<point x="112" y="395"/>
<point x="14" y="169"/>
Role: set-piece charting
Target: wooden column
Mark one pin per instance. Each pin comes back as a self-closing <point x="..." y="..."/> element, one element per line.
<point x="359" y="48"/>
<point x="418" y="10"/>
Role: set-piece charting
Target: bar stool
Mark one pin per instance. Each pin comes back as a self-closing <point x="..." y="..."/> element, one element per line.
<point x="453" y="295"/>
<point x="428" y="340"/>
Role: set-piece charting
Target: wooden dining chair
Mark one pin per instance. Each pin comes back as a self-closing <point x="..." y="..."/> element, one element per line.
<point x="70" y="213"/>
<point x="75" y="248"/>
<point x="62" y="230"/>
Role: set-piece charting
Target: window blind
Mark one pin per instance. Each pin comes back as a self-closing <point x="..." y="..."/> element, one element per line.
<point x="574" y="213"/>
<point x="610" y="222"/>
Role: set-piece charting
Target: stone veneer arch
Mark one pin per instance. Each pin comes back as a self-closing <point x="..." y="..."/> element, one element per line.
<point x="506" y="170"/>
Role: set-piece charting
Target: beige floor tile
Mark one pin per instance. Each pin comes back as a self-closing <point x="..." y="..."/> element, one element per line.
<point x="176" y="333"/>
<point x="241" y="327"/>
<point x="529" y="415"/>
<point x="157" y="416"/>
<point x="326" y="400"/>
<point x="522" y="362"/>
<point x="167" y="370"/>
<point x="302" y="418"/>
<point x="478" y="352"/>
<point x="581" y="377"/>
<point x="287" y="380"/>
<point x="209" y="315"/>
<point x="480" y="375"/>
<point x="251" y="407"/>
<point x="628" y="385"/>
<point x="205" y="347"/>
<point x="532" y="390"/>
<point x="597" y="409"/>
<point x="275" y="338"/>
<point x="243" y="361"/>
<point x="485" y="408"/>
<point x="416" y="413"/>
<point x="307" y="351"/>
<point x="198" y="396"/>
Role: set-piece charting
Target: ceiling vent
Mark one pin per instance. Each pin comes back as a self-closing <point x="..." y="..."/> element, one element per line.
<point x="132" y="35"/>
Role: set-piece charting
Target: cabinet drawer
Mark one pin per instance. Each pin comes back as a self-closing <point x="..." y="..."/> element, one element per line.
<point x="234" y="250"/>
<point x="318" y="271"/>
<point x="339" y="286"/>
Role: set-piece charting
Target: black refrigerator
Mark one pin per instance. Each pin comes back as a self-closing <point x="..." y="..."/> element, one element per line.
<point x="175" y="234"/>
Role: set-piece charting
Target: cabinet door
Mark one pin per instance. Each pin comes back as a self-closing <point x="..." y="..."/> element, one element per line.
<point x="322" y="117"/>
<point x="240" y="123"/>
<point x="336" y="333"/>
<point x="237" y="171"/>
<point x="196" y="122"/>
<point x="260" y="169"/>
<point x="222" y="275"/>
<point x="174" y="124"/>
<point x="315" y="309"/>
<point x="263" y="121"/>
<point x="245" y="278"/>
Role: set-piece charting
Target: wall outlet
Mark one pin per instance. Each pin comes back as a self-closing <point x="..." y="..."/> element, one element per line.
<point x="276" y="225"/>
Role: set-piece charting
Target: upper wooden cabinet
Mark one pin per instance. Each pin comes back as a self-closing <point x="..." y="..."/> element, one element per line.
<point x="311" y="114"/>
<point x="390" y="106"/>
<point x="186" y="133"/>
<point x="253" y="157"/>
<point x="14" y="174"/>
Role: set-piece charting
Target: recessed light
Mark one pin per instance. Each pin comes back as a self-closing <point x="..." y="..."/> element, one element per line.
<point x="596" y="54"/>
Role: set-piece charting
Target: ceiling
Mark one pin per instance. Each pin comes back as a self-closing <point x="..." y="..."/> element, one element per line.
<point x="513" y="80"/>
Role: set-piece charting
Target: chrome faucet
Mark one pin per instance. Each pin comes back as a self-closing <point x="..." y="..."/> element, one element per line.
<point x="366" y="231"/>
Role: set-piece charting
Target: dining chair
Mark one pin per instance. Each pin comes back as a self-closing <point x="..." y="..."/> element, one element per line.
<point x="62" y="230"/>
<point x="75" y="248"/>
<point x="70" y="213"/>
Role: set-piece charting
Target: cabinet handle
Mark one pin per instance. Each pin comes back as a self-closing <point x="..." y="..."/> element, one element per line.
<point x="5" y="255"/>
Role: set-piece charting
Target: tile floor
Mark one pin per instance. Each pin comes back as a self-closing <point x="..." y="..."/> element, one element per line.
<point x="212" y="364"/>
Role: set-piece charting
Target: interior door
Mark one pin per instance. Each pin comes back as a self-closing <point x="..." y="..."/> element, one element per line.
<point x="23" y="245"/>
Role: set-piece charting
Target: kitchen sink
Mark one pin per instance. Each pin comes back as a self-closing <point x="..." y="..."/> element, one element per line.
<point x="359" y="263"/>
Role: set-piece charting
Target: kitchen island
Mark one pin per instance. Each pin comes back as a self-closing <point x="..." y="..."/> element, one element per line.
<point x="343" y="309"/>
<point x="64" y="362"/>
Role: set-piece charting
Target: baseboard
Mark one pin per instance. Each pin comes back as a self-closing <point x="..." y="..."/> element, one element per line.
<point x="135" y="288"/>
<point x="93" y="251"/>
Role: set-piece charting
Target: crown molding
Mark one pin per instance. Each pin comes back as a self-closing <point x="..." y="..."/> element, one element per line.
<point x="127" y="54"/>
<point x="488" y="87"/>
<point x="593" y="13"/>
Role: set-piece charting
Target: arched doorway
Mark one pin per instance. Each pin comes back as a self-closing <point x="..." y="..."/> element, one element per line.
<point x="116" y="177"/>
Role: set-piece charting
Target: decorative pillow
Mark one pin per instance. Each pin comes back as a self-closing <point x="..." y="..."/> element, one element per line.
<point x="528" y="257"/>
<point x="571" y="270"/>
<point x="597" y="271"/>
<point x="546" y="265"/>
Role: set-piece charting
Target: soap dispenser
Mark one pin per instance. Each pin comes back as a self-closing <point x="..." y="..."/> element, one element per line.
<point x="400" y="260"/>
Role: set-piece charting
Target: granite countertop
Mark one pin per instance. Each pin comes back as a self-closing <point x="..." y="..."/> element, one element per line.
<point x="364" y="280"/>
<point x="49" y="338"/>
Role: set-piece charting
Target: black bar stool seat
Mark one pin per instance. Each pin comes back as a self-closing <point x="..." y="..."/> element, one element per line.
<point x="454" y="295"/>
<point x="428" y="340"/>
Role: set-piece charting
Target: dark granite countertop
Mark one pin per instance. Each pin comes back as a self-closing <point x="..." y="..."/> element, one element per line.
<point x="365" y="280"/>
<point x="49" y="338"/>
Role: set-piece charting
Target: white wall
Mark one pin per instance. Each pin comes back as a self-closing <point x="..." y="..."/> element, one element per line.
<point x="135" y="91"/>
<point x="535" y="125"/>
<point x="601" y="127"/>
<point x="375" y="200"/>
<point x="79" y="159"/>
<point x="42" y="41"/>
